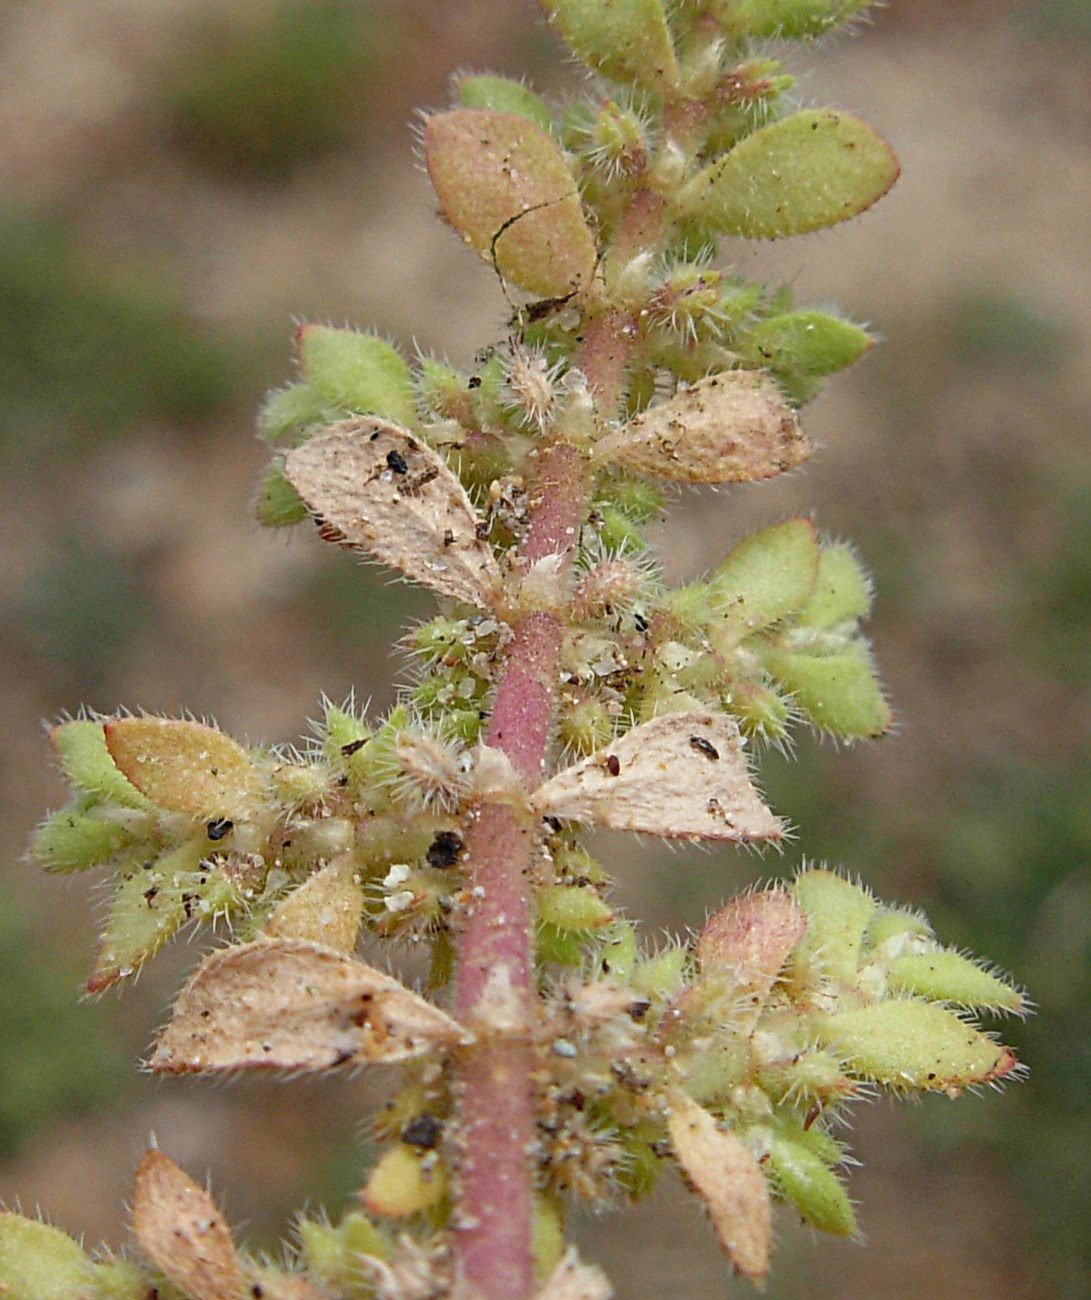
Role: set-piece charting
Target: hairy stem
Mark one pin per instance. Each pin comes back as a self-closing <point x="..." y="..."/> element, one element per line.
<point x="496" y="978"/>
<point x="495" y="995"/>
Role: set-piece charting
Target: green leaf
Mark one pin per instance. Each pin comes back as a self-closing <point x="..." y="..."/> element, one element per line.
<point x="837" y="692"/>
<point x="39" y="1262"/>
<point x="947" y="976"/>
<point x="503" y="95"/>
<point x="838" y="913"/>
<point x="357" y="372"/>
<point x="812" y="1187"/>
<point x="805" y="343"/>
<point x="802" y="173"/>
<point x="842" y="591"/>
<point x="504" y="185"/>
<point x="80" y="747"/>
<point x="289" y="412"/>
<point x="786" y="19"/>
<point x="154" y="903"/>
<point x="73" y="841"/>
<point x="626" y="40"/>
<point x="277" y="504"/>
<point x="768" y="576"/>
<point x="906" y="1044"/>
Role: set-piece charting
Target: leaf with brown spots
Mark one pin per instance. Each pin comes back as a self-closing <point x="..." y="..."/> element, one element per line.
<point x="376" y="487"/>
<point x="733" y="427"/>
<point x="289" y="1004"/>
<point x="721" y="1169"/>
<point x="180" y="1229"/>
<point x="683" y="775"/>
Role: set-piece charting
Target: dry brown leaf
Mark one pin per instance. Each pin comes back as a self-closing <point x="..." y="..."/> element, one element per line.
<point x="722" y="1170"/>
<point x="325" y="909"/>
<point x="683" y="775"/>
<point x="180" y="1229"/>
<point x="571" y="1280"/>
<point x="289" y="1004"/>
<point x="381" y="489"/>
<point x="733" y="427"/>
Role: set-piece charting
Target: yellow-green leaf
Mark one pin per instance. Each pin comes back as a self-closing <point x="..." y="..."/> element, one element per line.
<point x="802" y="173"/>
<point x="39" y="1262"/>
<point x="907" y="1044"/>
<point x="357" y="372"/>
<point x="80" y="747"/>
<point x="503" y="95"/>
<point x="626" y="40"/>
<point x="768" y="576"/>
<point x="185" y="766"/>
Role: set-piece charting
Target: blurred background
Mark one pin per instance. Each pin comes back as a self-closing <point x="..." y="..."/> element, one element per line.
<point x="179" y="182"/>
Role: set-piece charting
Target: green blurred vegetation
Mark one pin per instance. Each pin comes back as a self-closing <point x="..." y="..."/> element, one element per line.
<point x="75" y="614"/>
<point x="66" y="1062"/>
<point x="87" y="351"/>
<point x="265" y="93"/>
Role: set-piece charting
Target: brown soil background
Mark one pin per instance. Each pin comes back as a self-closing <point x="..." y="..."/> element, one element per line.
<point x="960" y="466"/>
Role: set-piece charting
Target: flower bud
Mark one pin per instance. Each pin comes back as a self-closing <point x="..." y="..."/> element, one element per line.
<point x="571" y="907"/>
<point x="618" y="142"/>
<point x="406" y="1180"/>
<point x="585" y="726"/>
<point x="333" y="1253"/>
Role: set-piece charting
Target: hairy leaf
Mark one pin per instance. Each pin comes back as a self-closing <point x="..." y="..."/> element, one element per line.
<point x="288" y="1004"/>
<point x="377" y="487"/>
<point x="178" y="1226"/>
<point x="722" y="1170"/>
<point x="505" y="187"/>
<point x="804" y="172"/>
<point x="185" y="767"/>
<point x="683" y="775"/>
<point x="733" y="427"/>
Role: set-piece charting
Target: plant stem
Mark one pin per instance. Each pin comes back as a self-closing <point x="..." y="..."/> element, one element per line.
<point x="496" y="994"/>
